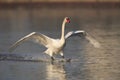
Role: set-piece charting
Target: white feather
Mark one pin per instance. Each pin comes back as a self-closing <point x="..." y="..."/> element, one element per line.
<point x="82" y="33"/>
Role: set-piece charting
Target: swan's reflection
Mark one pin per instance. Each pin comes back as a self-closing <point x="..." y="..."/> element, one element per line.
<point x="55" y="71"/>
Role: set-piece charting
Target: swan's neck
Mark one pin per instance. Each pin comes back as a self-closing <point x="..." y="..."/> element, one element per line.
<point x="63" y="30"/>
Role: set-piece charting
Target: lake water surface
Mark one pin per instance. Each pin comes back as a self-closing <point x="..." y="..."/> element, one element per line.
<point x="88" y="63"/>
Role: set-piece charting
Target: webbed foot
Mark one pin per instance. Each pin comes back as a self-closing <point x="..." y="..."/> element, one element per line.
<point x="68" y="60"/>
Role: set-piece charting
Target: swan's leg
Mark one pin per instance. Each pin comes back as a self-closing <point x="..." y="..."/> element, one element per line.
<point x="68" y="60"/>
<point x="52" y="58"/>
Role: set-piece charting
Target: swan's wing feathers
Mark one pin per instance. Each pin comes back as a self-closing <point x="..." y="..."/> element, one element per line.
<point x="69" y="34"/>
<point x="34" y="36"/>
<point x="93" y="41"/>
<point x="75" y="33"/>
<point x="82" y="33"/>
<point x="42" y="39"/>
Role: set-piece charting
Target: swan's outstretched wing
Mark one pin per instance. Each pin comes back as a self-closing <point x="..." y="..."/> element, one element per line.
<point x="75" y="33"/>
<point x="37" y="37"/>
<point x="82" y="33"/>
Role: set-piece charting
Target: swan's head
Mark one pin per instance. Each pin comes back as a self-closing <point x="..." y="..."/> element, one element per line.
<point x="67" y="19"/>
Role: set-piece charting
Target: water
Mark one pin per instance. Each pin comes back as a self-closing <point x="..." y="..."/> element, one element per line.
<point x="91" y="63"/>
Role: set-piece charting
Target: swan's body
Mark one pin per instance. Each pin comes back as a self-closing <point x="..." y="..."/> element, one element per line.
<point x="54" y="46"/>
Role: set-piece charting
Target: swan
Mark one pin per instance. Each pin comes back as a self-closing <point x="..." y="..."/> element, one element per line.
<point x="54" y="46"/>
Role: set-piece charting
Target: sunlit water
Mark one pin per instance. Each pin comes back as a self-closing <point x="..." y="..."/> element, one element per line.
<point x="88" y="62"/>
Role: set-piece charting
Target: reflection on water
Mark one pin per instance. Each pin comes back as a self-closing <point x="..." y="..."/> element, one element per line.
<point x="55" y="72"/>
<point x="92" y="64"/>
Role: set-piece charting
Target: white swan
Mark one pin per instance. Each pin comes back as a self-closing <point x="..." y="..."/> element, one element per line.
<point x="54" y="46"/>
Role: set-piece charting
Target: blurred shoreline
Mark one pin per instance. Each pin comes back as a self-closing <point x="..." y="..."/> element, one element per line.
<point x="62" y="4"/>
